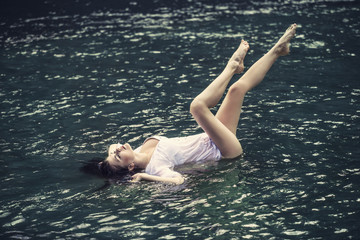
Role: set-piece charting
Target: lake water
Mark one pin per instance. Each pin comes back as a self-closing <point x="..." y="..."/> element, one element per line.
<point x="78" y="76"/>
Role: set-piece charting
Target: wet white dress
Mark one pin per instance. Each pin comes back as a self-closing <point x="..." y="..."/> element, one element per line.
<point x="171" y="152"/>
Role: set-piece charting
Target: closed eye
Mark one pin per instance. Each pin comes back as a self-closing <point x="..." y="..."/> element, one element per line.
<point x="117" y="157"/>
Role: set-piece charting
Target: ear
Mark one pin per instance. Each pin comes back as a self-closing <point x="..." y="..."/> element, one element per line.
<point x="131" y="166"/>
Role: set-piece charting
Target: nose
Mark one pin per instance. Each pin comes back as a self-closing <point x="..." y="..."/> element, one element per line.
<point x="119" y="148"/>
<point x="113" y="148"/>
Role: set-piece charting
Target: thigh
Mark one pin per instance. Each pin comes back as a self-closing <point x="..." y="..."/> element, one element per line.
<point x="223" y="138"/>
<point x="230" y="109"/>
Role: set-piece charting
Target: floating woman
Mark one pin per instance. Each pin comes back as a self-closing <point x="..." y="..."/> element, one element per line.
<point x="158" y="155"/>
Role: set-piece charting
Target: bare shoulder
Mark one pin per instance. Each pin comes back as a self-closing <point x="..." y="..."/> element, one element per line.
<point x="149" y="145"/>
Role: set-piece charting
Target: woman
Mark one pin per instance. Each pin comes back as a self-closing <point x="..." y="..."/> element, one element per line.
<point x="158" y="155"/>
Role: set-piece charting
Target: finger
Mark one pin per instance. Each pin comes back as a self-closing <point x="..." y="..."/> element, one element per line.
<point x="135" y="180"/>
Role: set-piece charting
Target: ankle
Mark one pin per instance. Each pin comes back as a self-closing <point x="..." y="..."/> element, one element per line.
<point x="273" y="53"/>
<point x="229" y="69"/>
<point x="234" y="67"/>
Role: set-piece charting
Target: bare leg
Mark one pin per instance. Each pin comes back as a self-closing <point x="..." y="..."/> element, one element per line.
<point x="222" y="128"/>
<point x="200" y="107"/>
<point x="229" y="112"/>
<point x="213" y="93"/>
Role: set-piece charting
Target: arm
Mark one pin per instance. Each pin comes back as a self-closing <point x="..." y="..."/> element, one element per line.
<point x="139" y="176"/>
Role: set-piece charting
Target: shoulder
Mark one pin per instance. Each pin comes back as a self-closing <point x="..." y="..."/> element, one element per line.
<point x="150" y="143"/>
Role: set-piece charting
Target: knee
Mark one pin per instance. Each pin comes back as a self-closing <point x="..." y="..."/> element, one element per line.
<point x="197" y="106"/>
<point x="238" y="89"/>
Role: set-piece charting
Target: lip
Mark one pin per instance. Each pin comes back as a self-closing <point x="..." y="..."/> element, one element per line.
<point x="120" y="146"/>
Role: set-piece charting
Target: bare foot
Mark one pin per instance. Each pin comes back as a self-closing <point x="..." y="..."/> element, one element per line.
<point x="282" y="47"/>
<point x="236" y="62"/>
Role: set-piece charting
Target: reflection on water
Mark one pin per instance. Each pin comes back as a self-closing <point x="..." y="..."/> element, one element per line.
<point x="71" y="84"/>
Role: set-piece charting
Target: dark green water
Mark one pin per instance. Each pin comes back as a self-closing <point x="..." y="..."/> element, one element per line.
<point x="77" y="77"/>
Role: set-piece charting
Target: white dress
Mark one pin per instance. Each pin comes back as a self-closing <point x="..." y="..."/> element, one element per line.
<point x="171" y="152"/>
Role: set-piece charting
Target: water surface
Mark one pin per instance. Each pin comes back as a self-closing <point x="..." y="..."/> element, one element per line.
<point x="78" y="77"/>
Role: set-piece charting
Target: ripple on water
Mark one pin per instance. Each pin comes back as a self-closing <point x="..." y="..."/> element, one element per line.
<point x="76" y="83"/>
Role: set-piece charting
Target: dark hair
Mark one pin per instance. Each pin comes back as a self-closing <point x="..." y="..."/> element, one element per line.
<point x="101" y="168"/>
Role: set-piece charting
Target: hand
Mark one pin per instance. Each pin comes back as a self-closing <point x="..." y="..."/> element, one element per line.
<point x="137" y="177"/>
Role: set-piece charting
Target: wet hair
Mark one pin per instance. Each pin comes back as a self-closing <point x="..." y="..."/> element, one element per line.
<point x="109" y="171"/>
<point x="101" y="168"/>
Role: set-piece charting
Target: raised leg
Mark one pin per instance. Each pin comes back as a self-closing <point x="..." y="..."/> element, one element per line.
<point x="222" y="127"/>
<point x="213" y="93"/>
<point x="230" y="109"/>
<point x="200" y="107"/>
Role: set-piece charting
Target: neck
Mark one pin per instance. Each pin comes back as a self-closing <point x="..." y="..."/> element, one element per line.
<point x="141" y="160"/>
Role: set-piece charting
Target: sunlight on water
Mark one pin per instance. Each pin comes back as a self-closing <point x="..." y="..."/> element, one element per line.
<point x="73" y="83"/>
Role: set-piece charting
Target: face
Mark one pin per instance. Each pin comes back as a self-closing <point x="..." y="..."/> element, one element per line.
<point x="120" y="155"/>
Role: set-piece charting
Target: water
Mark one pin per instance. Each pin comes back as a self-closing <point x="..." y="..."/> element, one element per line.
<point x="76" y="77"/>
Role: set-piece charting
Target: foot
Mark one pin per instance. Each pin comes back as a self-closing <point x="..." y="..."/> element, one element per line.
<point x="282" y="47"/>
<point x="236" y="62"/>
